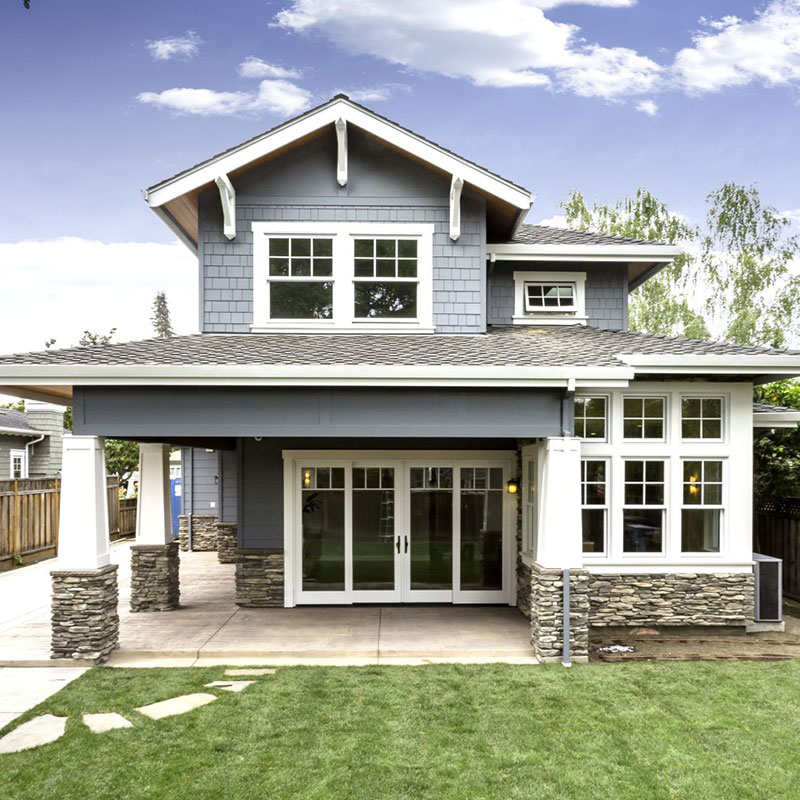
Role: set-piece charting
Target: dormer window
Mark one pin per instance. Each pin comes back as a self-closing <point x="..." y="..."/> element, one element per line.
<point x="550" y="298"/>
<point x="342" y="276"/>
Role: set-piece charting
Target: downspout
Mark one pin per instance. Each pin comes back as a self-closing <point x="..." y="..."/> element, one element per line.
<point x="191" y="501"/>
<point x="28" y="455"/>
<point x="565" y="661"/>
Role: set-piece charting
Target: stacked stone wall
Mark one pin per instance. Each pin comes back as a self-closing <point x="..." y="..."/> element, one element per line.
<point x="259" y="578"/>
<point x="155" y="577"/>
<point x="227" y="542"/>
<point x="204" y="532"/>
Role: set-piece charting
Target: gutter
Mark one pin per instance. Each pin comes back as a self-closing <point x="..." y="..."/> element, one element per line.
<point x="22" y="432"/>
<point x="27" y="453"/>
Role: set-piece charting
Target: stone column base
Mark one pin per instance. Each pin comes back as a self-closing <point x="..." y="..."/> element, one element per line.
<point x="547" y="621"/>
<point x="204" y="532"/>
<point x="85" y="623"/>
<point x="155" y="577"/>
<point x="227" y="542"/>
<point x="259" y="578"/>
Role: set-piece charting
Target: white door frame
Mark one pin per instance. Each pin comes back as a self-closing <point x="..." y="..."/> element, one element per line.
<point x="401" y="461"/>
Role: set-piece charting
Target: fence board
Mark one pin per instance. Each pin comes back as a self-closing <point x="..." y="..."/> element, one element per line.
<point x="776" y="532"/>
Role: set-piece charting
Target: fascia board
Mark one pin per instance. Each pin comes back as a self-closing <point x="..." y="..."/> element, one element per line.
<point x="570" y="252"/>
<point x="713" y="364"/>
<point x="776" y="419"/>
<point x="327" y="115"/>
<point x="20" y="432"/>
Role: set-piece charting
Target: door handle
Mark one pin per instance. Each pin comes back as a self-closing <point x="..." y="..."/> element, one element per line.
<point x="398" y="544"/>
<point x="406" y="538"/>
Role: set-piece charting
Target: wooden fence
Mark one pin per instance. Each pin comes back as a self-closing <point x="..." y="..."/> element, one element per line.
<point x="776" y="532"/>
<point x="29" y="518"/>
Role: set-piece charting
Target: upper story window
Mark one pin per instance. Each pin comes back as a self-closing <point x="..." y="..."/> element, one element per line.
<point x="643" y="418"/>
<point x="342" y="276"/>
<point x="590" y="417"/>
<point x="553" y="298"/>
<point x="701" y="418"/>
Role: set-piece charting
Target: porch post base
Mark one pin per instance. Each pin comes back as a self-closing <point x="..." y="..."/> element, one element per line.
<point x="547" y="621"/>
<point x="227" y="542"/>
<point x="85" y="623"/>
<point x="259" y="578"/>
<point x="204" y="532"/>
<point x="155" y="577"/>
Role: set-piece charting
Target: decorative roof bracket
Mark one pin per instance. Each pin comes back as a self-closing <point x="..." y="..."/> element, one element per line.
<point x="456" y="186"/>
<point x="341" y="151"/>
<point x="227" y="196"/>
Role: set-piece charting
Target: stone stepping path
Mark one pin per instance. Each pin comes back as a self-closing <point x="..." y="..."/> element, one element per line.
<point x="229" y="686"/>
<point x="100" y="723"/>
<point x="250" y="671"/>
<point x="33" y="733"/>
<point x="176" y="705"/>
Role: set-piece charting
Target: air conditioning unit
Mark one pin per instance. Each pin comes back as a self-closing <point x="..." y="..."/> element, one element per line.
<point x="769" y="588"/>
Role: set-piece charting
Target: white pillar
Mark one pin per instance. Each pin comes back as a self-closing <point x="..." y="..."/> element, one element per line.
<point x="560" y="540"/>
<point x="154" y="506"/>
<point x="83" y="541"/>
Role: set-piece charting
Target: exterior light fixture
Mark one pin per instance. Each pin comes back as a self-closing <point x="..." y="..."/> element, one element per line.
<point x="512" y="486"/>
<point x="306" y="478"/>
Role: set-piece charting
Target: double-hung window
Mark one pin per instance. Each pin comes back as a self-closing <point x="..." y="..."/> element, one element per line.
<point x="701" y="512"/>
<point x="701" y="418"/>
<point x="590" y="418"/>
<point x="301" y="278"/>
<point x="643" y="418"/>
<point x="386" y="278"/>
<point x="19" y="464"/>
<point x="644" y="506"/>
<point x="594" y="504"/>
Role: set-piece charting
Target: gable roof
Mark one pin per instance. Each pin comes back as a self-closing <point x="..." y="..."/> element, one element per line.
<point x="175" y="198"/>
<point x="15" y="423"/>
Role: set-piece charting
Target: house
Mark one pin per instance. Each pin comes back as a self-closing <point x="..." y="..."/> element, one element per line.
<point x="31" y="441"/>
<point x="407" y="395"/>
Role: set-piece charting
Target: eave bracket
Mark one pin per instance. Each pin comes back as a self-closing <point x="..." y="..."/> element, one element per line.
<point x="341" y="151"/>
<point x="227" y="196"/>
<point x="456" y="186"/>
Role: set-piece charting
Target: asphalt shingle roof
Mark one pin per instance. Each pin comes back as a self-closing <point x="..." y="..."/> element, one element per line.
<point x="543" y="234"/>
<point x="9" y="418"/>
<point x="520" y="346"/>
<point x="767" y="408"/>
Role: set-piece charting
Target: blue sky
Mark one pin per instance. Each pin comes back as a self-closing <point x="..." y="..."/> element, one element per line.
<point x="100" y="100"/>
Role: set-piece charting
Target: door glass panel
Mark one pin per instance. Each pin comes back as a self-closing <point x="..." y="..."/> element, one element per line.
<point x="323" y="528"/>
<point x="373" y="529"/>
<point x="431" y="527"/>
<point x="481" y="529"/>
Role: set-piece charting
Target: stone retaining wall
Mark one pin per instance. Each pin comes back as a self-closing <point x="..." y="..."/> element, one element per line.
<point x="677" y="599"/>
<point x="204" y="532"/>
<point x="155" y="577"/>
<point x="85" y="622"/>
<point x="547" y="622"/>
<point x="227" y="542"/>
<point x="259" y="578"/>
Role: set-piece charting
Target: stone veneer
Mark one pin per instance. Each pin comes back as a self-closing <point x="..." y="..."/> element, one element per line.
<point x="524" y="588"/>
<point x="547" y="622"/>
<point x="155" y="577"/>
<point x="204" y="532"/>
<point x="227" y="542"/>
<point x="688" y="599"/>
<point x="259" y="578"/>
<point x="85" y="622"/>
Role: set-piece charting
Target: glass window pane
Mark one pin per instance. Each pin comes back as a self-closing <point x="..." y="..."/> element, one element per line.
<point x="431" y="527"/>
<point x="712" y="471"/>
<point x="632" y="407"/>
<point x="632" y="429"/>
<point x="301" y="267"/>
<point x="308" y="477"/>
<point x="653" y="407"/>
<point x="692" y="494"/>
<point x="364" y="268"/>
<point x="364" y="248"/>
<point x="654" y="494"/>
<point x="595" y="494"/>
<point x="290" y="300"/>
<point x="690" y="429"/>
<point x="712" y="429"/>
<point x="373" y="478"/>
<point x="323" y="267"/>
<point x="634" y="470"/>
<point x="634" y="494"/>
<point x="700" y="530"/>
<point x="387" y="477"/>
<point x="323" y="540"/>
<point x="385" y="300"/>
<point x="384" y="268"/>
<point x="712" y="494"/>
<point x="301" y="247"/>
<point x="495" y="478"/>
<point x="279" y="247"/>
<point x="642" y="530"/>
<point x="481" y="478"/>
<point x="690" y="407"/>
<point x="445" y="477"/>
<point x="653" y="429"/>
<point x="595" y="470"/>
<point x="596" y="407"/>
<point x="481" y="540"/>
<point x="323" y="477"/>
<point x="323" y="247"/>
<point x="373" y="540"/>
<point x="385" y="248"/>
<point x="407" y="248"/>
<point x="467" y="478"/>
<point x="712" y="407"/>
<point x="337" y="477"/>
<point x="359" y="478"/>
<point x="654" y="470"/>
<point x="593" y="530"/>
<point x="431" y="478"/>
<point x="279" y="266"/>
<point x="406" y="269"/>
<point x="595" y="429"/>
<point x="417" y="477"/>
<point x="692" y="471"/>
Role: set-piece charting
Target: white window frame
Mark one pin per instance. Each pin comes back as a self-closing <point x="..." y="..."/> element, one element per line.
<point x="343" y="235"/>
<point x="607" y="419"/>
<point x="575" y="316"/>
<point x="723" y="410"/>
<point x="23" y="456"/>
<point x="663" y="507"/>
<point x="529" y="501"/>
<point x="665" y="417"/>
<point x="703" y="554"/>
<point x="597" y="507"/>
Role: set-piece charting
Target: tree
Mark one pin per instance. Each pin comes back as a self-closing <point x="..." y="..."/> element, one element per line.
<point x="776" y="453"/>
<point x="122" y="457"/>
<point x="90" y="339"/>
<point x="19" y="405"/>
<point x="660" y="305"/>
<point x="160" y="319"/>
<point x="26" y="3"/>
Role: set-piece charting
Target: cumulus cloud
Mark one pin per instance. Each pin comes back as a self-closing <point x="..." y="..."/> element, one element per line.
<point x="375" y="94"/>
<point x="647" y="107"/>
<point x="253" y="67"/>
<point x="556" y="221"/>
<point x="730" y="52"/>
<point x="78" y="284"/>
<point x="182" y="47"/>
<point x="272" y="96"/>
<point x="489" y="42"/>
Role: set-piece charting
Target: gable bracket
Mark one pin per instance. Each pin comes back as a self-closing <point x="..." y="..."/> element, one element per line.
<point x="456" y="186"/>
<point x="227" y="196"/>
<point x="341" y="151"/>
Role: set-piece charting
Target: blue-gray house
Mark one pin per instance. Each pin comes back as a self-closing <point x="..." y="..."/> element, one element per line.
<point x="402" y="393"/>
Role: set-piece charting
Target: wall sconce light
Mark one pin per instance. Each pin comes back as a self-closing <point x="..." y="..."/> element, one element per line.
<point x="512" y="486"/>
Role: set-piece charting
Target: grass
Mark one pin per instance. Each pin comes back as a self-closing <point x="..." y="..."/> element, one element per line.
<point x="725" y="730"/>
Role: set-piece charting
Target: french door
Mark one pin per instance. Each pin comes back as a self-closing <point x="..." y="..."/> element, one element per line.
<point x="383" y="530"/>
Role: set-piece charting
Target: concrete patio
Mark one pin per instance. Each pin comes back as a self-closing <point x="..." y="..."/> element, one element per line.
<point x="210" y="628"/>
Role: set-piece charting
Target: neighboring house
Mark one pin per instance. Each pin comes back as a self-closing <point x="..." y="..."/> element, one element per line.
<point x="31" y="441"/>
<point x="401" y="393"/>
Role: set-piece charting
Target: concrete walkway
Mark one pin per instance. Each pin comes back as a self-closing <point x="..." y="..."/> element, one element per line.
<point x="23" y="688"/>
<point x="210" y="628"/>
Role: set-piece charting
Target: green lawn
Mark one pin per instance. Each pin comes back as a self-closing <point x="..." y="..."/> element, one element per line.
<point x="639" y="731"/>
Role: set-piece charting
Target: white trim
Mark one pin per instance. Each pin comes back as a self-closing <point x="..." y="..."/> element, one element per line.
<point x="583" y="252"/>
<point x="572" y="317"/>
<point x="456" y="185"/>
<point x="339" y="108"/>
<point x="717" y="364"/>
<point x="341" y="151"/>
<point x="342" y="235"/>
<point x="776" y="419"/>
<point x="227" y="196"/>
<point x="668" y="568"/>
<point x="22" y="455"/>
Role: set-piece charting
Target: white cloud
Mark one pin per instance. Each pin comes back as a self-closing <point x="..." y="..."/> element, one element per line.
<point x="734" y="52"/>
<point x="182" y="47"/>
<point x="793" y="215"/>
<point x="647" y="107"/>
<point x="556" y="221"/>
<point x="279" y="97"/>
<point x="253" y="67"/>
<point x="547" y="4"/>
<point x="489" y="42"/>
<point x="375" y="94"/>
<point x="72" y="284"/>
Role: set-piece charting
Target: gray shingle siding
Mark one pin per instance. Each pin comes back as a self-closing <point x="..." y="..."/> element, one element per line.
<point x="606" y="291"/>
<point x="228" y="465"/>
<point x="7" y="444"/>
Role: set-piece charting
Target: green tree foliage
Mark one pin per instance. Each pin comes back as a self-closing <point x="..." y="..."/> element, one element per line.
<point x="660" y="305"/>
<point x="160" y="319"/>
<point x="90" y="339"/>
<point x="122" y="457"/>
<point x="776" y="453"/>
<point x="18" y="405"/>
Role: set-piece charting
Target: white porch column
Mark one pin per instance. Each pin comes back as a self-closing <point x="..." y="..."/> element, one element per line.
<point x="153" y="507"/>
<point x="560" y="542"/>
<point x="83" y="541"/>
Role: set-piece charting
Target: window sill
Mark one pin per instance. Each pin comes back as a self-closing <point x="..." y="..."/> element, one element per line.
<point x="549" y="320"/>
